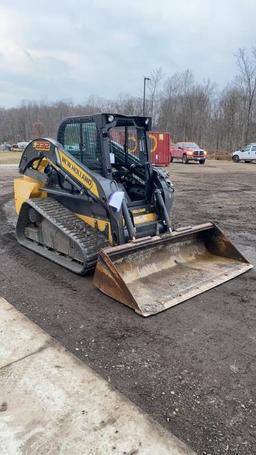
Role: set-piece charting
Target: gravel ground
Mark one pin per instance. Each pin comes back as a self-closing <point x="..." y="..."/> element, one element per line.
<point x="10" y="157"/>
<point x="191" y="368"/>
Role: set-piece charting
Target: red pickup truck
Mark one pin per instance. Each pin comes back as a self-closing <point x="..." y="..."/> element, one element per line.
<point x="187" y="151"/>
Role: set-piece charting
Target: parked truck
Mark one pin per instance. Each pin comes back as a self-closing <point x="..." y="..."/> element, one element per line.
<point x="188" y="151"/>
<point x="247" y="154"/>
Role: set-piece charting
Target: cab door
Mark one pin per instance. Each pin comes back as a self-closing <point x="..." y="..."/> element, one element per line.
<point x="253" y="152"/>
<point x="246" y="153"/>
<point x="178" y="151"/>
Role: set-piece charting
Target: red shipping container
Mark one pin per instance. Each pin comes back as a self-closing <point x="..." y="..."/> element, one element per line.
<point x="160" y="148"/>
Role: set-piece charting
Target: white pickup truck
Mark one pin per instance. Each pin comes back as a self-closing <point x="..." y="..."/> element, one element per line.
<point x="247" y="153"/>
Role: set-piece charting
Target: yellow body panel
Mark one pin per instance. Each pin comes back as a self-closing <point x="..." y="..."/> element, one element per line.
<point x="76" y="171"/>
<point x="139" y="219"/>
<point x="104" y="225"/>
<point x="138" y="211"/>
<point x="101" y="225"/>
<point x="26" y="188"/>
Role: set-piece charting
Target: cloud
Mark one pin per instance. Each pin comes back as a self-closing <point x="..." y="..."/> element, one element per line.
<point x="65" y="49"/>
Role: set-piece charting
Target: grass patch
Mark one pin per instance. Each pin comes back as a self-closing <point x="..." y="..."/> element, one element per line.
<point x="10" y="157"/>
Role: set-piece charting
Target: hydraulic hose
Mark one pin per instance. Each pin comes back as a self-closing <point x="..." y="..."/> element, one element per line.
<point x="128" y="221"/>
<point x="161" y="203"/>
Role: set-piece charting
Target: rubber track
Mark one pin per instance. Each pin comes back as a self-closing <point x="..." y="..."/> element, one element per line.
<point x="90" y="240"/>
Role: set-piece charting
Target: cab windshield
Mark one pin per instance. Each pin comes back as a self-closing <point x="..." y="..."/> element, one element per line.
<point x="128" y="145"/>
<point x="128" y="158"/>
<point x="191" y="145"/>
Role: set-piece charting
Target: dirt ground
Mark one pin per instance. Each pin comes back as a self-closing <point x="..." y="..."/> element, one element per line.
<point x="193" y="367"/>
<point x="10" y="157"/>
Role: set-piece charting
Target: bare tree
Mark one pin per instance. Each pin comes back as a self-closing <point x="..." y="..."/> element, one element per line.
<point x="247" y="81"/>
<point x="37" y="129"/>
<point x="156" y="77"/>
<point x="189" y="110"/>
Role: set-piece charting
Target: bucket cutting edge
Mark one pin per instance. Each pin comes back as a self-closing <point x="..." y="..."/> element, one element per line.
<point x="156" y="273"/>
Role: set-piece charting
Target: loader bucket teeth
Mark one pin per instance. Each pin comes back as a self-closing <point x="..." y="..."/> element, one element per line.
<point x="157" y="273"/>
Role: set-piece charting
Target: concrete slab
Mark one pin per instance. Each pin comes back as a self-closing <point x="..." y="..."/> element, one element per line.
<point x="52" y="403"/>
<point x="17" y="340"/>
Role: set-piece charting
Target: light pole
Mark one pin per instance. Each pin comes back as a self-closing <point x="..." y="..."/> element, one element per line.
<point x="144" y="94"/>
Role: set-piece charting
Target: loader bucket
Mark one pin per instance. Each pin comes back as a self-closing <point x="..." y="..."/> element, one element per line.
<point x="156" y="273"/>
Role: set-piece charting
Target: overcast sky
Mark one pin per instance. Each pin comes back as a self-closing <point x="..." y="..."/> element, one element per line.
<point x="71" y="49"/>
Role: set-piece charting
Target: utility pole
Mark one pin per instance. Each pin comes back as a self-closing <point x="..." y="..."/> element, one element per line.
<point x="144" y="95"/>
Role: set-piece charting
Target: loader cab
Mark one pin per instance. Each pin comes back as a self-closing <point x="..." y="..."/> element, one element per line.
<point x="114" y="146"/>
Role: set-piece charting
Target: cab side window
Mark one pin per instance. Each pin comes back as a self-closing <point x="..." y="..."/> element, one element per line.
<point x="91" y="155"/>
<point x="72" y="139"/>
<point x="254" y="148"/>
<point x="81" y="141"/>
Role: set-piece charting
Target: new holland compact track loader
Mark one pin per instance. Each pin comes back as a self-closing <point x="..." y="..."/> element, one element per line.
<point x="92" y="198"/>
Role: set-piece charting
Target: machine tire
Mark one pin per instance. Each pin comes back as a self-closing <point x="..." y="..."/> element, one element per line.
<point x="185" y="159"/>
<point x="171" y="159"/>
<point x="201" y="161"/>
<point x="236" y="158"/>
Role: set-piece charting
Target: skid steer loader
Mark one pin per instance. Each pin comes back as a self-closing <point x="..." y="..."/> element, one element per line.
<point x="92" y="198"/>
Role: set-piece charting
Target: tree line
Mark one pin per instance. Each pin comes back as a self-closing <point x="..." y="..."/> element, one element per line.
<point x="219" y="120"/>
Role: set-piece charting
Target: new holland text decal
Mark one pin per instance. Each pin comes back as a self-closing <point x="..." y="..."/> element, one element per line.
<point x="79" y="173"/>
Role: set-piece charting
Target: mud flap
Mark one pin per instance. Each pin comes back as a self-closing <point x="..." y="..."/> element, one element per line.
<point x="156" y="273"/>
